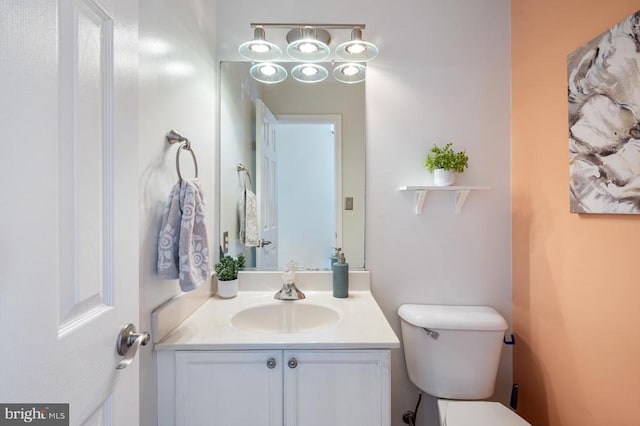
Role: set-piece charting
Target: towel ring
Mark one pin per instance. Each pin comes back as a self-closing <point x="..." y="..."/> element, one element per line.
<point x="242" y="168"/>
<point x="175" y="137"/>
<point x="186" y="147"/>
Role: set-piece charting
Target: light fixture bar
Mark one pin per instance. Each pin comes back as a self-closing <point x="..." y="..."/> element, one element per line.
<point x="325" y="26"/>
<point x="308" y="43"/>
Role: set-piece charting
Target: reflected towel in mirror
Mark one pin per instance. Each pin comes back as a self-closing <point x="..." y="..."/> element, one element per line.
<point x="183" y="247"/>
<point x="249" y="235"/>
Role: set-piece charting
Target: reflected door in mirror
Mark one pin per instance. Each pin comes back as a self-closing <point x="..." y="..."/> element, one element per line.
<point x="267" y="169"/>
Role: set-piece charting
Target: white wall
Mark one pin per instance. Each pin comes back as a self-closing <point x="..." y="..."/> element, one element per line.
<point x="177" y="77"/>
<point x="454" y="88"/>
<point x="306" y="188"/>
<point x="442" y="75"/>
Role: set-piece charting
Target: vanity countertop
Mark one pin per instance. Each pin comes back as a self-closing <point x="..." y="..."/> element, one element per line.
<point x="361" y="325"/>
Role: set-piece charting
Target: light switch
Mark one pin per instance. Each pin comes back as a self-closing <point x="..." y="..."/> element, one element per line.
<point x="225" y="242"/>
<point x="348" y="203"/>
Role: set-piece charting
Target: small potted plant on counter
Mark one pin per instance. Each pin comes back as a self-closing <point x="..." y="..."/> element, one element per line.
<point x="227" y="273"/>
<point x="444" y="163"/>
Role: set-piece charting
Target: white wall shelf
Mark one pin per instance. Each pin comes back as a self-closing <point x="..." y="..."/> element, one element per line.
<point x="461" y="193"/>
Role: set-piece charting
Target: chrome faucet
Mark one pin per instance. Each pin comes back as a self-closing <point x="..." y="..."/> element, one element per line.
<point x="289" y="291"/>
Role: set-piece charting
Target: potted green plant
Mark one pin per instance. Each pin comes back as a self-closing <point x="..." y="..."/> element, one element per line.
<point x="227" y="273"/>
<point x="444" y="163"/>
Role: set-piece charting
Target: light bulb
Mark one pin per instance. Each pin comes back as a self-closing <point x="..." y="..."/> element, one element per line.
<point x="259" y="48"/>
<point x="350" y="71"/>
<point x="268" y="70"/>
<point x="308" y="47"/>
<point x="309" y="71"/>
<point x="356" y="48"/>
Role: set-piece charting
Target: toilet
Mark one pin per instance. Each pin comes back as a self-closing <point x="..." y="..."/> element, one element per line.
<point x="453" y="353"/>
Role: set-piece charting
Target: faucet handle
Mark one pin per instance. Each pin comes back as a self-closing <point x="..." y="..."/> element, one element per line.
<point x="288" y="277"/>
<point x="289" y="291"/>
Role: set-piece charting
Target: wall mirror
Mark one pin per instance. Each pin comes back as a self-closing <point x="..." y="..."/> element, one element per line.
<point x="300" y="148"/>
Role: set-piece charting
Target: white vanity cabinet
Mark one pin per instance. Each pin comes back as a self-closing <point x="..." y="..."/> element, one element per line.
<point x="274" y="388"/>
<point x="215" y="370"/>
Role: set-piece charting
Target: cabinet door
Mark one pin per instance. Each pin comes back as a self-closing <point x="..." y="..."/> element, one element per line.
<point x="229" y="388"/>
<point x="337" y="388"/>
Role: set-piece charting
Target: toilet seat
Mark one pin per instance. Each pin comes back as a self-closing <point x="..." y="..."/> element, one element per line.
<point x="477" y="413"/>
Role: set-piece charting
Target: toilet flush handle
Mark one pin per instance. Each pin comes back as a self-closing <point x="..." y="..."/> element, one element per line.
<point x="509" y="342"/>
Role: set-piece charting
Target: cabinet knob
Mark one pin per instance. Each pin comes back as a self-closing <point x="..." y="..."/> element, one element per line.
<point x="292" y="363"/>
<point x="271" y="363"/>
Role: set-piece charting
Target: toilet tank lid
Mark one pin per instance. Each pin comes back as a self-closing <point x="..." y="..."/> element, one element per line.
<point x="446" y="317"/>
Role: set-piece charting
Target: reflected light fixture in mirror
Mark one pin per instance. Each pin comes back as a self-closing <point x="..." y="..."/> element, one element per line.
<point x="268" y="72"/>
<point x="349" y="73"/>
<point x="309" y="73"/>
<point x="260" y="49"/>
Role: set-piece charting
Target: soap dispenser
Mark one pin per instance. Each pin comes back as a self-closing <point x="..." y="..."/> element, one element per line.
<point x="340" y="277"/>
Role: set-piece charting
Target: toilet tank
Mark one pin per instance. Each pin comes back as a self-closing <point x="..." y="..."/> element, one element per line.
<point x="452" y="351"/>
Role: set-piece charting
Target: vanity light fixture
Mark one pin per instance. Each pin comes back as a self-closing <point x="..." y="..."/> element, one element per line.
<point x="268" y="72"/>
<point x="259" y="49"/>
<point x="357" y="50"/>
<point x="308" y="43"/>
<point x="349" y="73"/>
<point x="309" y="73"/>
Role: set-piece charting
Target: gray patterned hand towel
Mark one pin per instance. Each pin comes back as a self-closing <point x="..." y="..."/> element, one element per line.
<point x="249" y="232"/>
<point x="183" y="247"/>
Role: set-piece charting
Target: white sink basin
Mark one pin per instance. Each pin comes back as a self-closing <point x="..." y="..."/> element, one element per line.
<point x="286" y="317"/>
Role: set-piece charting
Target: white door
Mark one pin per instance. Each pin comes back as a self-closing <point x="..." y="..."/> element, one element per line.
<point x="227" y="388"/>
<point x="266" y="176"/>
<point x="68" y="227"/>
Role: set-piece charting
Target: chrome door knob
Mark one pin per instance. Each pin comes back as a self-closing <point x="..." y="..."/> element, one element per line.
<point x="128" y="343"/>
<point x="292" y="363"/>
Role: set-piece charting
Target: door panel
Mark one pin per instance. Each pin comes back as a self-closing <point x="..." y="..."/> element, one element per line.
<point x="266" y="175"/>
<point x="86" y="164"/>
<point x="70" y="239"/>
<point x="338" y="388"/>
<point x="228" y="388"/>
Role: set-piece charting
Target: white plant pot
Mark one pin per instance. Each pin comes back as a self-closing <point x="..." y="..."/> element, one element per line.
<point x="442" y="177"/>
<point x="227" y="289"/>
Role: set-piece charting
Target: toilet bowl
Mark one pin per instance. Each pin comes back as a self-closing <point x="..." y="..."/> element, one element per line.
<point x="453" y="353"/>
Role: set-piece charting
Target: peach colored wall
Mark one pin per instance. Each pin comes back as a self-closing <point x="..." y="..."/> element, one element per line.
<point x="576" y="283"/>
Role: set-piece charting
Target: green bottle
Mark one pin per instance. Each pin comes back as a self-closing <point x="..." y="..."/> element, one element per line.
<point x="340" y="277"/>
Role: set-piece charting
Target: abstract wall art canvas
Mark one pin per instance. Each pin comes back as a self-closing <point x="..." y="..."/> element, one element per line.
<point x="604" y="121"/>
